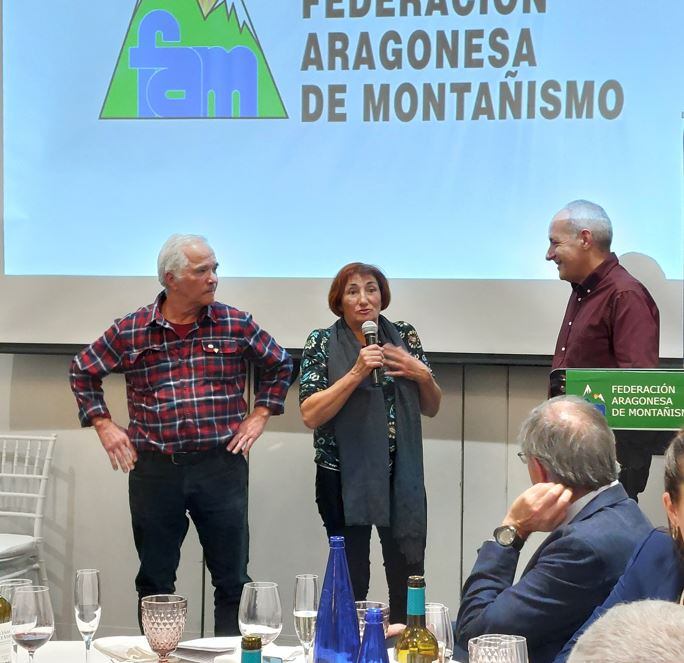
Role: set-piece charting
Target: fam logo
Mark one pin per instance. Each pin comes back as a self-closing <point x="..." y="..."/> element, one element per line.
<point x="596" y="399"/>
<point x="192" y="59"/>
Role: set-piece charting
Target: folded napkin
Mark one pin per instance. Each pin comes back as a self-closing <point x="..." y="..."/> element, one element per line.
<point x="121" y="649"/>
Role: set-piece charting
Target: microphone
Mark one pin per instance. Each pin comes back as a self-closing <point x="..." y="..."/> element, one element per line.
<point x="370" y="332"/>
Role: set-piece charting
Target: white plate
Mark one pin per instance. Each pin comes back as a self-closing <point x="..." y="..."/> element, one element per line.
<point x="223" y="645"/>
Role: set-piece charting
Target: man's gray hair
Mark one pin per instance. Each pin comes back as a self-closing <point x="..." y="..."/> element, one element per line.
<point x="583" y="214"/>
<point x="172" y="257"/>
<point x="572" y="440"/>
<point x="638" y="632"/>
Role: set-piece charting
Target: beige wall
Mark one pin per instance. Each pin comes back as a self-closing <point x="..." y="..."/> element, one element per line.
<point x="472" y="474"/>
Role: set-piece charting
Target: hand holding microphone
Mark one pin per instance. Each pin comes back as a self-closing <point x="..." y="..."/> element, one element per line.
<point x="370" y="333"/>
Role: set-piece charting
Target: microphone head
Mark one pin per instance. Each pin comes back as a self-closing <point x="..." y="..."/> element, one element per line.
<point x="369" y="327"/>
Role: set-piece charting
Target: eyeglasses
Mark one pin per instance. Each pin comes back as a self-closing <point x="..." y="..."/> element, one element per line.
<point x="523" y="457"/>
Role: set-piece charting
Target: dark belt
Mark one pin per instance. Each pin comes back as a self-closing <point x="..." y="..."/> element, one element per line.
<point x="183" y="457"/>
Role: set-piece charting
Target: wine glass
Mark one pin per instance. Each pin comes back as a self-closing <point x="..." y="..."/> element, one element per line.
<point x="305" y="610"/>
<point x="163" y="621"/>
<point x="7" y="588"/>
<point x="32" y="620"/>
<point x="260" y="612"/>
<point x="439" y="624"/>
<point x="87" y="604"/>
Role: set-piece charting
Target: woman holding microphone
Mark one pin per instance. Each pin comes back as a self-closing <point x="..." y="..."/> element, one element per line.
<point x="367" y="437"/>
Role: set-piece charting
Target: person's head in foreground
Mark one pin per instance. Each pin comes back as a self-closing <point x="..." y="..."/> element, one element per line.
<point x="639" y="632"/>
<point x="579" y="240"/>
<point x="673" y="497"/>
<point x="566" y="440"/>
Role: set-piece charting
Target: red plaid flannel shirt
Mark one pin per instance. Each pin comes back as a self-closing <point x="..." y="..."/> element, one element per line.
<point x="183" y="394"/>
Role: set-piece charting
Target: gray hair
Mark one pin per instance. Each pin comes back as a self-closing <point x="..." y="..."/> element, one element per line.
<point x="634" y="633"/>
<point x="172" y="257"/>
<point x="572" y="440"/>
<point x="583" y="214"/>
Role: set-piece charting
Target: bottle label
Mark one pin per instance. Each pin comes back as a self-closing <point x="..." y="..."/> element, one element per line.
<point x="416" y="601"/>
<point x="251" y="656"/>
<point x="5" y="642"/>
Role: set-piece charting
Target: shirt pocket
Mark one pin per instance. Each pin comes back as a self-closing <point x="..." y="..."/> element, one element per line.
<point x="219" y="359"/>
<point x="149" y="367"/>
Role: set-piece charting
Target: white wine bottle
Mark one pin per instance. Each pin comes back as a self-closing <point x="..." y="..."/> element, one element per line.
<point x="416" y="644"/>
<point x="5" y="627"/>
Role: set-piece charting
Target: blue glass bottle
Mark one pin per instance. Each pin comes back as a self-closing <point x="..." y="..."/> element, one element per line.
<point x="337" y="626"/>
<point x="373" y="649"/>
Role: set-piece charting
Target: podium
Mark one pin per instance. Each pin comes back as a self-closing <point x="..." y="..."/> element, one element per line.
<point x="644" y="407"/>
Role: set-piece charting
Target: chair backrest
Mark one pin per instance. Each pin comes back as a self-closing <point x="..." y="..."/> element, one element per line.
<point x="24" y="469"/>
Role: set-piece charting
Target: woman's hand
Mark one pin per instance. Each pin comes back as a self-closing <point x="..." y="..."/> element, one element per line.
<point x="400" y="364"/>
<point x="370" y="357"/>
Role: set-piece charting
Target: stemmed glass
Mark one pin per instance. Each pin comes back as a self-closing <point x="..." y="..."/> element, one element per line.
<point x="87" y="604"/>
<point x="439" y="624"/>
<point x="260" y="612"/>
<point x="32" y="620"/>
<point x="7" y="588"/>
<point x="163" y="621"/>
<point x="305" y="610"/>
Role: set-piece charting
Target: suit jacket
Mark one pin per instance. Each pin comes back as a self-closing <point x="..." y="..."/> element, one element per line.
<point x="656" y="571"/>
<point x="571" y="573"/>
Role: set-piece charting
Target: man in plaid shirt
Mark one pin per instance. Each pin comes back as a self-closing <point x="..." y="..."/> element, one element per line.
<point x="185" y="359"/>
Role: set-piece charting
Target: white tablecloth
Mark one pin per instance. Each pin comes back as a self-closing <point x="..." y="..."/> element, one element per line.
<point x="74" y="652"/>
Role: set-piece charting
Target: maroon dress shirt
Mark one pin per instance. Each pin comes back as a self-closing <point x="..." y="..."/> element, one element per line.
<point x="611" y="322"/>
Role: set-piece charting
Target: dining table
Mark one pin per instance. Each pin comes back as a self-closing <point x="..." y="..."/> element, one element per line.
<point x="73" y="651"/>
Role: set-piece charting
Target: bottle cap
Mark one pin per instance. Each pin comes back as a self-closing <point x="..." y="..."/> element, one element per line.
<point x="416" y="581"/>
<point x="251" y="642"/>
<point x="373" y="616"/>
<point x="337" y="542"/>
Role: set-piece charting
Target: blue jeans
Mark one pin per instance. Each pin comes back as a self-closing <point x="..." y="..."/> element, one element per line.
<point x="211" y="487"/>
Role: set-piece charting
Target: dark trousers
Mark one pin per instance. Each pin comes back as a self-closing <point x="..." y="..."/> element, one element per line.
<point x="357" y="546"/>
<point x="212" y="488"/>
<point x="634" y="452"/>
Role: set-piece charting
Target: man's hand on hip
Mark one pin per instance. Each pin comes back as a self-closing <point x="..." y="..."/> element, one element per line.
<point x="114" y="439"/>
<point x="250" y="429"/>
<point x="541" y="508"/>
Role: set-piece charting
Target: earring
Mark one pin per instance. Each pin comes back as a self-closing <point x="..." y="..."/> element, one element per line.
<point x="674" y="532"/>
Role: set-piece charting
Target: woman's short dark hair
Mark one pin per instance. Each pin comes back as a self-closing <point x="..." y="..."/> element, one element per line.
<point x="340" y="283"/>
<point x="674" y="477"/>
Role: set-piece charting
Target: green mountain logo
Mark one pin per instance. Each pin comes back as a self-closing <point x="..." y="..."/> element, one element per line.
<point x="192" y="59"/>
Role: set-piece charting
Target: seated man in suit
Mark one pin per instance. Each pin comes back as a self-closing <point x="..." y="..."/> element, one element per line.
<point x="570" y="454"/>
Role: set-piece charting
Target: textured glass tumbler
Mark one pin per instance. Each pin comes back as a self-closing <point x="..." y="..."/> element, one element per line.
<point x="163" y="620"/>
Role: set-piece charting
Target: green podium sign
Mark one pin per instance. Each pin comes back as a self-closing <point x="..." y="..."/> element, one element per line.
<point x="636" y="399"/>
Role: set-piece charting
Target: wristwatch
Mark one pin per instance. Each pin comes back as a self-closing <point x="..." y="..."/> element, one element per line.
<point x="508" y="536"/>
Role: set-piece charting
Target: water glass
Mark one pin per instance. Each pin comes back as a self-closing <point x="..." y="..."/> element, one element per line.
<point x="439" y="624"/>
<point x="260" y="612"/>
<point x="87" y="604"/>
<point x="362" y="606"/>
<point x="497" y="648"/>
<point x="32" y="620"/>
<point x="305" y="610"/>
<point x="163" y="621"/>
<point x="7" y="588"/>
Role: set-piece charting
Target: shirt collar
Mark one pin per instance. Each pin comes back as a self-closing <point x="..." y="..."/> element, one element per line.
<point x="579" y="504"/>
<point x="156" y="316"/>
<point x="596" y="276"/>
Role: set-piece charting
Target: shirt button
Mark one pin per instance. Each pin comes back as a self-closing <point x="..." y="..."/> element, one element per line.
<point x="562" y="349"/>
<point x="588" y="291"/>
<point x="570" y="323"/>
<point x="579" y="299"/>
<point x="210" y="346"/>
